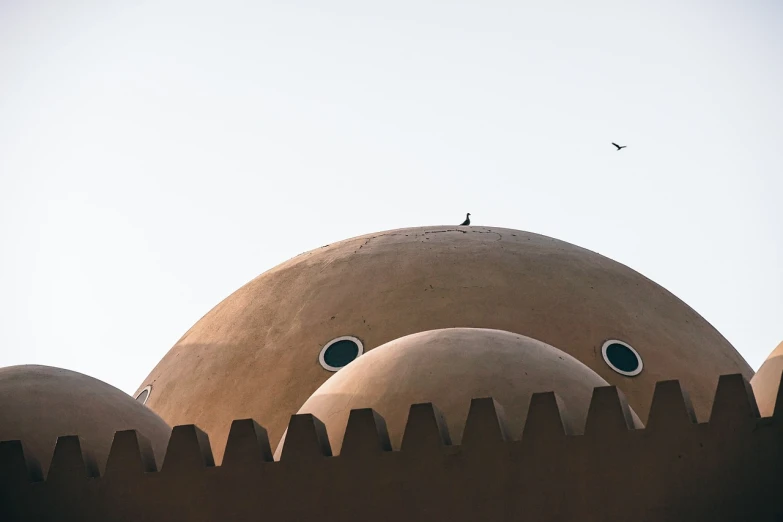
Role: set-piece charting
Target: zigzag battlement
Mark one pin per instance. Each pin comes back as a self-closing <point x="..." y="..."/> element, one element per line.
<point x="729" y="468"/>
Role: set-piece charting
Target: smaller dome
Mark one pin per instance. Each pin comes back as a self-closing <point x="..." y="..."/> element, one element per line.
<point x="41" y="403"/>
<point x="767" y="380"/>
<point x="449" y="368"/>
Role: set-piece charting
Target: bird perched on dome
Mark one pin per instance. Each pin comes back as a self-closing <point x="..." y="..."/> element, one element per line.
<point x="466" y="222"/>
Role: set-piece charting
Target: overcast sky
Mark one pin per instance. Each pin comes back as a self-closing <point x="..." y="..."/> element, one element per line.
<point x="155" y="156"/>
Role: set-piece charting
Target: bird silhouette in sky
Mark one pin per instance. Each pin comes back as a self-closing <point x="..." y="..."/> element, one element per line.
<point x="619" y="146"/>
<point x="466" y="222"/>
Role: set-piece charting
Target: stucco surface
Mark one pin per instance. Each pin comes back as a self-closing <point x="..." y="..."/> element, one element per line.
<point x="41" y="403"/>
<point x="256" y="353"/>
<point x="767" y="380"/>
<point x="449" y="368"/>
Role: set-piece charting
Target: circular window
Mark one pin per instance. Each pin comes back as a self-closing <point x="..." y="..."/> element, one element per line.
<point x="622" y="358"/>
<point x="144" y="394"/>
<point x="339" y="352"/>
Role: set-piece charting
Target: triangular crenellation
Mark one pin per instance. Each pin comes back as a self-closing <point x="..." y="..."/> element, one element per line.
<point x="544" y="418"/>
<point x="425" y="430"/>
<point x="18" y="465"/>
<point x="671" y="407"/>
<point x="71" y="461"/>
<point x="366" y="434"/>
<point x="247" y="443"/>
<point x="609" y="413"/>
<point x="130" y="453"/>
<point x="305" y="440"/>
<point x="188" y="450"/>
<point x="734" y="401"/>
<point x="551" y="474"/>
<point x="486" y="424"/>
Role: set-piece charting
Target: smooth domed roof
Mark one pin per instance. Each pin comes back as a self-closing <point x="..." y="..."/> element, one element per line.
<point x="256" y="354"/>
<point x="41" y="403"/>
<point x="767" y="380"/>
<point x="449" y="368"/>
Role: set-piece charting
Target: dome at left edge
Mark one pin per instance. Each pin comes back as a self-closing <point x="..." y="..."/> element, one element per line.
<point x="41" y="403"/>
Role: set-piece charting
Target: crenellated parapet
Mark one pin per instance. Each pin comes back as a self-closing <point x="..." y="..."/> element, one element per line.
<point x="729" y="468"/>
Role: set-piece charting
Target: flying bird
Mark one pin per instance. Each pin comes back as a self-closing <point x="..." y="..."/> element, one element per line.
<point x="466" y="222"/>
<point x="619" y="146"/>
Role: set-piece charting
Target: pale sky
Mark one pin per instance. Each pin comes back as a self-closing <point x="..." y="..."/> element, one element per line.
<point x="155" y="156"/>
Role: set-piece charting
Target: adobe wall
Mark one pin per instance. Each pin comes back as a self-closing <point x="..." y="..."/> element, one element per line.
<point x="728" y="469"/>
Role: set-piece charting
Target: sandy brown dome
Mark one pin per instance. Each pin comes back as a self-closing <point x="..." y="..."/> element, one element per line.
<point x="41" y="403"/>
<point x="449" y="368"/>
<point x="256" y="354"/>
<point x="767" y="380"/>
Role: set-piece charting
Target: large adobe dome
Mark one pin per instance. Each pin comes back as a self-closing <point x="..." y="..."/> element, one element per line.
<point x="256" y="354"/>
<point x="449" y="368"/>
<point x="41" y="403"/>
<point x="767" y="380"/>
